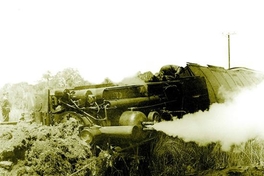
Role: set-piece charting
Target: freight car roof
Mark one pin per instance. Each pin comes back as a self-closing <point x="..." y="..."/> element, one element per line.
<point x="220" y="80"/>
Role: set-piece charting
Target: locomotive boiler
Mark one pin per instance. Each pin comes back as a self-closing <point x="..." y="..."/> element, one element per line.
<point x="110" y="111"/>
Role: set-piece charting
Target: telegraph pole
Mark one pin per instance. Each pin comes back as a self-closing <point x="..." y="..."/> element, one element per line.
<point x="228" y="46"/>
<point x="228" y="38"/>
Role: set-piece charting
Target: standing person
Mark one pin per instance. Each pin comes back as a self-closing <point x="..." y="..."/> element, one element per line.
<point x="5" y="109"/>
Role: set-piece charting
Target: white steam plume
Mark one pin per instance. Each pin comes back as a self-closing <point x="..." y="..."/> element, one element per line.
<point x="233" y="122"/>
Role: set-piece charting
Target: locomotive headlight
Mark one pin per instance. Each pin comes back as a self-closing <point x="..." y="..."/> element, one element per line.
<point x="91" y="99"/>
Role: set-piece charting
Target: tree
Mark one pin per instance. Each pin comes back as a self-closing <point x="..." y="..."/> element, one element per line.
<point x="69" y="77"/>
<point x="107" y="81"/>
<point x="20" y="95"/>
<point x="47" y="77"/>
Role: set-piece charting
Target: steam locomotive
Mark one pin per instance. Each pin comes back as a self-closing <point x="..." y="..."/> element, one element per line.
<point x="127" y="112"/>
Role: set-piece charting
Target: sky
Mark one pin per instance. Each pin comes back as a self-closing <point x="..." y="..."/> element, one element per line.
<point x="117" y="39"/>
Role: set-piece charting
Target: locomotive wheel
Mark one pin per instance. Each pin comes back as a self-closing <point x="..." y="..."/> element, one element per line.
<point x="65" y="116"/>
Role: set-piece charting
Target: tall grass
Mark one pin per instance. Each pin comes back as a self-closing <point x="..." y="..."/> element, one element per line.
<point x="173" y="156"/>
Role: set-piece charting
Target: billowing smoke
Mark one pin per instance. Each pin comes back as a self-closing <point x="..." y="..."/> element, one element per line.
<point x="233" y="122"/>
